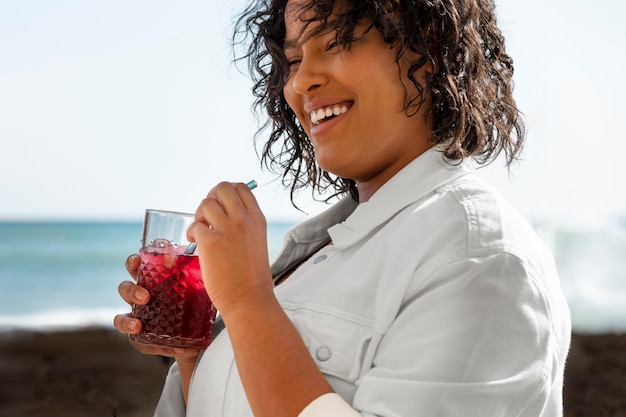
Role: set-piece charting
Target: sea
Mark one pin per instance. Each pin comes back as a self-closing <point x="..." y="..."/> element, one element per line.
<point x="65" y="273"/>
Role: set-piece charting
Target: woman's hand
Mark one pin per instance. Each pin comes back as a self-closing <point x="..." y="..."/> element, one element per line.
<point x="230" y="233"/>
<point x="231" y="236"/>
<point x="125" y="323"/>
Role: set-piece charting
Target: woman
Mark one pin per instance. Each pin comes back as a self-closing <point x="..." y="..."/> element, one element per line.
<point x="421" y="292"/>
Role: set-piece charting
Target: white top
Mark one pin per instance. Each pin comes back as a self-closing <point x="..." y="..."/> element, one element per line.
<point x="435" y="299"/>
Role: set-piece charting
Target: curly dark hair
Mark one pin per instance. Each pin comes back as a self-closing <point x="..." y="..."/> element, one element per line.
<point x="470" y="87"/>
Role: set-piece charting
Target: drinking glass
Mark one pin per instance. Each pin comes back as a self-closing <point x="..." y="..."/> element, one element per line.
<point x="179" y="312"/>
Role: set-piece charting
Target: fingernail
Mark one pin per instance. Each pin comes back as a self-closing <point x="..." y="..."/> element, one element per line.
<point x="132" y="325"/>
<point x="179" y="350"/>
<point x="140" y="296"/>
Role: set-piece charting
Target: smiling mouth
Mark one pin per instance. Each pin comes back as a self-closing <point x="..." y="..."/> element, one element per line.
<point x="324" y="114"/>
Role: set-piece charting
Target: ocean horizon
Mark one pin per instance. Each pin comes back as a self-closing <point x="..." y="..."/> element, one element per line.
<point x="59" y="274"/>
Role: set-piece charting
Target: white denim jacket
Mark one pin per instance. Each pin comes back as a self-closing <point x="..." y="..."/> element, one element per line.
<point x="435" y="298"/>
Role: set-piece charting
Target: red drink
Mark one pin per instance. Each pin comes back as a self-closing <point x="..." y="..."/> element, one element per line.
<point x="179" y="313"/>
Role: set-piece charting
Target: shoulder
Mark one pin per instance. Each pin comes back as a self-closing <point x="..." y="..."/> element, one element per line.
<point x="467" y="222"/>
<point x="469" y="236"/>
<point x="470" y="218"/>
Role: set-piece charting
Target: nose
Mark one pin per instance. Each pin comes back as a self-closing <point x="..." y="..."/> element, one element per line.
<point x="310" y="75"/>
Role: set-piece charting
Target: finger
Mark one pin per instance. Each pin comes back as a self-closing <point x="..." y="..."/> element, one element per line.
<point x="199" y="232"/>
<point x="246" y="196"/>
<point x="164" y="351"/>
<point x="133" y="293"/>
<point x="208" y="214"/>
<point x="125" y="323"/>
<point x="228" y="197"/>
<point x="132" y="264"/>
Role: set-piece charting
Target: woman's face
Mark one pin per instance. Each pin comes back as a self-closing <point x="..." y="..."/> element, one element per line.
<point x="351" y="104"/>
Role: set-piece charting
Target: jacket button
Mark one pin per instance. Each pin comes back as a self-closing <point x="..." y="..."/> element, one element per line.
<point x="319" y="259"/>
<point x="323" y="353"/>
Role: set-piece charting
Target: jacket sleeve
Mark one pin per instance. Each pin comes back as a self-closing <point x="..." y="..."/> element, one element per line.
<point x="329" y="405"/>
<point x="474" y="339"/>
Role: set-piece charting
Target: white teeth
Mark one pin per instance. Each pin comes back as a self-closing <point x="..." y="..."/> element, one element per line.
<point x="320" y="114"/>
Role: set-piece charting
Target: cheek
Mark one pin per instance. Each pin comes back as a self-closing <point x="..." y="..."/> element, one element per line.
<point x="291" y="98"/>
<point x="288" y="94"/>
<point x="293" y="101"/>
<point x="377" y="81"/>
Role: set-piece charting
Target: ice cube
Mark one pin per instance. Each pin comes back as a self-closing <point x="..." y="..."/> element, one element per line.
<point x="162" y="246"/>
<point x="168" y="249"/>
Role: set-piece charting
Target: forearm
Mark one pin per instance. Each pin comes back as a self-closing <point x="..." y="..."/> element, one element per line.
<point x="278" y="374"/>
<point x="185" y="368"/>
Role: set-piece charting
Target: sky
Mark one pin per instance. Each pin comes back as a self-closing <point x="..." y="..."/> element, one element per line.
<point x="111" y="107"/>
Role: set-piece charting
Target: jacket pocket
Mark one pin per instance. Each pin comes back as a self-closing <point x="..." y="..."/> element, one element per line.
<point x="337" y="341"/>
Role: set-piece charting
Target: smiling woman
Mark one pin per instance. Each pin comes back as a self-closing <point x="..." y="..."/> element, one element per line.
<point x="422" y="291"/>
<point x="424" y="47"/>
<point x="354" y="79"/>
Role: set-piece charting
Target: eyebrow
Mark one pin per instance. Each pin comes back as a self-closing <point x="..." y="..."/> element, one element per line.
<point x="289" y="44"/>
<point x="293" y="43"/>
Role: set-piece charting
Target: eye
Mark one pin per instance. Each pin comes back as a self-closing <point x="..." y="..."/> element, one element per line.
<point x="291" y="57"/>
<point x="293" y="64"/>
<point x="332" y="44"/>
<point x="331" y="41"/>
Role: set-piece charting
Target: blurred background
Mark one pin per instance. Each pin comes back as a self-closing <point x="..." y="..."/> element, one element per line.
<point x="111" y="107"/>
<point x="108" y="108"/>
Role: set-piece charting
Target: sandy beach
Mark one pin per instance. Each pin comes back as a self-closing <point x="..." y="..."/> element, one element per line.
<point x="89" y="372"/>
<point x="94" y="372"/>
<point x="595" y="377"/>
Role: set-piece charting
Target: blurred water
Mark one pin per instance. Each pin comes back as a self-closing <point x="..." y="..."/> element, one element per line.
<point x="67" y="273"/>
<point x="592" y="266"/>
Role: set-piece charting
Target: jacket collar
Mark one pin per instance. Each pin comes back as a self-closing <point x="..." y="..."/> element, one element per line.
<point x="420" y="178"/>
<point x="347" y="222"/>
